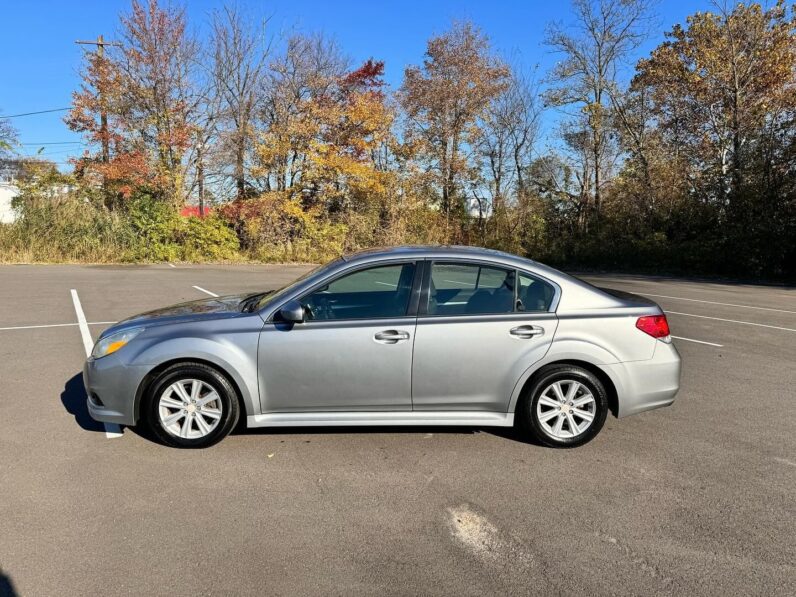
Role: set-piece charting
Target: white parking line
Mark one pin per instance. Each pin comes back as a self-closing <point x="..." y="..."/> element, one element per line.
<point x="760" y="325"/>
<point x="111" y="429"/>
<point x="88" y="343"/>
<point x="388" y="284"/>
<point x="460" y="282"/>
<point x="698" y="341"/>
<point x="172" y="265"/>
<point x="54" y="325"/>
<point x="199" y="288"/>
<point x="680" y="298"/>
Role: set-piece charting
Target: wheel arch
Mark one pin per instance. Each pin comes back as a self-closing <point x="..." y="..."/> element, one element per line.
<point x="155" y="372"/>
<point x="609" y="384"/>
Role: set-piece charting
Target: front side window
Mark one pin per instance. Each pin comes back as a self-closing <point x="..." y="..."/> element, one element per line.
<point x="374" y="293"/>
<point x="456" y="289"/>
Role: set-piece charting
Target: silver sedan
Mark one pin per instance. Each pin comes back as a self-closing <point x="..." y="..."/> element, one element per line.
<point x="404" y="336"/>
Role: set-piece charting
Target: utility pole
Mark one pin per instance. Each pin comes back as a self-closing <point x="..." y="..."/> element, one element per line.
<point x="200" y="175"/>
<point x="101" y="43"/>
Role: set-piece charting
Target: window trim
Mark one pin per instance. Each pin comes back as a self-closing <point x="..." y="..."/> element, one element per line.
<point x="414" y="293"/>
<point x="422" y="311"/>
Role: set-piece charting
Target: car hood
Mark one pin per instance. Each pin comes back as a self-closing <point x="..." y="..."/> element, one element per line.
<point x="203" y="309"/>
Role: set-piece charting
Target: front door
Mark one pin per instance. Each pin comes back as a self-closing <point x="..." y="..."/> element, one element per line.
<point x="353" y="352"/>
<point x="482" y="327"/>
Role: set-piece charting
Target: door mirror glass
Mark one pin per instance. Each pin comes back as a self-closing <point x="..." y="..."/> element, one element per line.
<point x="292" y="312"/>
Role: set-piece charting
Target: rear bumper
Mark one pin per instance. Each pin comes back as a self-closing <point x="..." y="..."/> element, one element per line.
<point x="111" y="388"/>
<point x="646" y="385"/>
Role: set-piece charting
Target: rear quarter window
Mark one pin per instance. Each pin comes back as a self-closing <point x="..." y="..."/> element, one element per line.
<point x="534" y="294"/>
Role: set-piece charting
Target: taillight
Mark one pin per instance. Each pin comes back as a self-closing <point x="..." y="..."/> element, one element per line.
<point x="654" y="325"/>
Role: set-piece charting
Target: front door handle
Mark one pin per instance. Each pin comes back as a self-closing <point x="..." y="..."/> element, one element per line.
<point x="526" y="331"/>
<point x="391" y="336"/>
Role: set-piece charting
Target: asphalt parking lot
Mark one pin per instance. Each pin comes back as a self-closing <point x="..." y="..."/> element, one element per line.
<point x="697" y="498"/>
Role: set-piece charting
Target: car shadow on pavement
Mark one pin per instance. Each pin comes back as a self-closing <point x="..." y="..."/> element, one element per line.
<point x="508" y="433"/>
<point x="74" y="400"/>
<point x="6" y="585"/>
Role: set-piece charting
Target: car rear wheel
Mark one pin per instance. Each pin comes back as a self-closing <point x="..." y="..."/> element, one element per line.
<point x="565" y="407"/>
<point x="191" y="405"/>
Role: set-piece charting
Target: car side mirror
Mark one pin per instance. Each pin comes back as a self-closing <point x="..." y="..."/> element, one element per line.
<point x="292" y="312"/>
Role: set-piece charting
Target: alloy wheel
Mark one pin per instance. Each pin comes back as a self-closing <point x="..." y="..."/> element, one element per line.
<point x="190" y="409"/>
<point x="566" y="409"/>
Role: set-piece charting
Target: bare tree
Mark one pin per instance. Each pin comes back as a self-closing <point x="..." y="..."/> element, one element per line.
<point x="8" y="137"/>
<point x="240" y="60"/>
<point x="510" y="131"/>
<point x="605" y="34"/>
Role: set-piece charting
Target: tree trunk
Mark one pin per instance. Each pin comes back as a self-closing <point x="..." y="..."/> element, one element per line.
<point x="240" y="177"/>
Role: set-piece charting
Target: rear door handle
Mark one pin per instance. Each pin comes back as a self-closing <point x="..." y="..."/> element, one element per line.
<point x="526" y="331"/>
<point x="391" y="336"/>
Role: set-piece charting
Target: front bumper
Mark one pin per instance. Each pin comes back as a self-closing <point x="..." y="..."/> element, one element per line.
<point x="649" y="384"/>
<point x="111" y="388"/>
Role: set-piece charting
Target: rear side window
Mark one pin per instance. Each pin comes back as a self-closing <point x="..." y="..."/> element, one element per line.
<point x="533" y="294"/>
<point x="457" y="289"/>
<point x="473" y="289"/>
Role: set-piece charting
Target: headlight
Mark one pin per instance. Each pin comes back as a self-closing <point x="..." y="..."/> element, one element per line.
<point x="112" y="343"/>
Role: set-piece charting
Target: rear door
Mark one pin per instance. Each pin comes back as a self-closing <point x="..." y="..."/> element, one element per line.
<point x="479" y="327"/>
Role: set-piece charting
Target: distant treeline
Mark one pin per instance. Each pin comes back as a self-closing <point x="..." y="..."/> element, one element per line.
<point x="688" y="165"/>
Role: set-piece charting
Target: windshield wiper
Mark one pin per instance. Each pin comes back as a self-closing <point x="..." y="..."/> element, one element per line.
<point x="247" y="305"/>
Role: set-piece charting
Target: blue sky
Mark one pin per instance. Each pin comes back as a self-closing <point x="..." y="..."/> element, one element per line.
<point x="39" y="60"/>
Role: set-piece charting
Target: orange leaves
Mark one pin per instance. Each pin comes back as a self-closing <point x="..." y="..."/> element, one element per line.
<point x="331" y="139"/>
<point x="136" y="106"/>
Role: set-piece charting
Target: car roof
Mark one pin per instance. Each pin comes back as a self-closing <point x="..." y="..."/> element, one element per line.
<point x="436" y="251"/>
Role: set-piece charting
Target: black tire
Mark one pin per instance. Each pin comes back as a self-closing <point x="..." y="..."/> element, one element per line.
<point x="527" y="416"/>
<point x="230" y="408"/>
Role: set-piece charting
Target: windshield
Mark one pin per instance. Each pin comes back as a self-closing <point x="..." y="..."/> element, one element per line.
<point x="268" y="297"/>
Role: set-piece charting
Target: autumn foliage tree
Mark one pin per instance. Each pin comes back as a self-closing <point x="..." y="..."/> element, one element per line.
<point x="722" y="95"/>
<point x="115" y="160"/>
<point x="322" y="152"/>
<point x="681" y="161"/>
<point x="444" y="101"/>
<point x="148" y="90"/>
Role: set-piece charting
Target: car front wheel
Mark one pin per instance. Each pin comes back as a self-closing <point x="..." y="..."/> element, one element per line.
<point x="191" y="405"/>
<point x="566" y="406"/>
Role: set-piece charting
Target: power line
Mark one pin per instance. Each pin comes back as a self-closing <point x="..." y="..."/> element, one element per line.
<point x="56" y="143"/>
<point x="55" y="152"/>
<point x="34" y="113"/>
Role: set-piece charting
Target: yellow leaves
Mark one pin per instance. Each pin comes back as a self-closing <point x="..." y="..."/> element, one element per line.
<point x="292" y="208"/>
<point x="330" y="143"/>
<point x="732" y="66"/>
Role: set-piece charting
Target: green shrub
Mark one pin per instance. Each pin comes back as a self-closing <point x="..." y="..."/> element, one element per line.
<point x="208" y="238"/>
<point x="163" y="235"/>
<point x="157" y="228"/>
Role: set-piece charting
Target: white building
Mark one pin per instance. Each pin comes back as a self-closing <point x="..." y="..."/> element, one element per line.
<point x="8" y="191"/>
